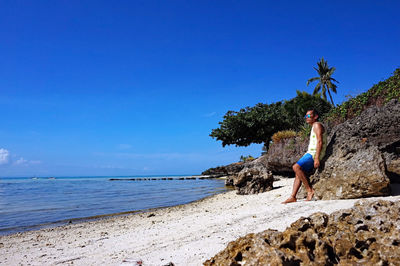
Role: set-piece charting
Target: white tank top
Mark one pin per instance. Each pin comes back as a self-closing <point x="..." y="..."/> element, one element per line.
<point x="312" y="147"/>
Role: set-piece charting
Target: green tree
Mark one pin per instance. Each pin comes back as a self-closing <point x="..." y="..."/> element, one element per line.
<point x="325" y="80"/>
<point x="250" y="125"/>
<point x="296" y="107"/>
<point x="257" y="124"/>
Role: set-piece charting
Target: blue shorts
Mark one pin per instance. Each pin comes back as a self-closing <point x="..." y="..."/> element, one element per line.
<point x="306" y="162"/>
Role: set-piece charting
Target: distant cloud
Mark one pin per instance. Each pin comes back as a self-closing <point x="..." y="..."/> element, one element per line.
<point x="20" y="161"/>
<point x="124" y="146"/>
<point x="169" y="156"/>
<point x="113" y="167"/>
<point x="210" y="114"/>
<point x="109" y="167"/>
<point x="7" y="159"/>
<point x="4" y="156"/>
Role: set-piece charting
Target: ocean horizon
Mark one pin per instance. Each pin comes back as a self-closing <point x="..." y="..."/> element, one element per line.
<point x="30" y="203"/>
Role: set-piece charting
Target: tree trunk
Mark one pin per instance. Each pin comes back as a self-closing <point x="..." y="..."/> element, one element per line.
<point x="330" y="96"/>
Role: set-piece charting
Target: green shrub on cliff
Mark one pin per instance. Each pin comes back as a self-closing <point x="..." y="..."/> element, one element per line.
<point x="246" y="158"/>
<point x="379" y="94"/>
<point x="257" y="124"/>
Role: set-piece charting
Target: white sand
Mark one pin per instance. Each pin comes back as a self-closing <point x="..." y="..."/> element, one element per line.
<point x="185" y="235"/>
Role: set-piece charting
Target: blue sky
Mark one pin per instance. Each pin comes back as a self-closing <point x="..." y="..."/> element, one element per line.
<point x="135" y="87"/>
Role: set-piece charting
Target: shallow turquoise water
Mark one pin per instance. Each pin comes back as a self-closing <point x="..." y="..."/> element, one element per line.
<point x="27" y="203"/>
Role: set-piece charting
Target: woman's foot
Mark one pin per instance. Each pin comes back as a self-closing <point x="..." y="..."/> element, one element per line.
<point x="290" y="200"/>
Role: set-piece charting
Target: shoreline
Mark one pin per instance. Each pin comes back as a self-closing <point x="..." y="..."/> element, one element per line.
<point x="186" y="234"/>
<point x="59" y="210"/>
<point x="78" y="220"/>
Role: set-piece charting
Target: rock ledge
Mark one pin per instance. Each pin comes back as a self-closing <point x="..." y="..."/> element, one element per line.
<point x="367" y="234"/>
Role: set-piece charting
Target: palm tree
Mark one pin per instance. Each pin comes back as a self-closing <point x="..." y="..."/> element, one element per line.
<point x="325" y="81"/>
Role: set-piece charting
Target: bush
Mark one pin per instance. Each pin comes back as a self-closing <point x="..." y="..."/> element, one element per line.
<point x="305" y="131"/>
<point x="379" y="94"/>
<point x="246" y="158"/>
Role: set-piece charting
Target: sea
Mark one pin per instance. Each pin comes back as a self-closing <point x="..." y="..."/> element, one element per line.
<point x="28" y="203"/>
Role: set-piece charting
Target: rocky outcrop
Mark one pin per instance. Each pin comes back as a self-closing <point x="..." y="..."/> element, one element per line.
<point x="254" y="178"/>
<point x="362" y="159"/>
<point x="249" y="177"/>
<point x="227" y="170"/>
<point x="392" y="162"/>
<point x="362" y="156"/>
<point x="368" y="234"/>
<point x="283" y="155"/>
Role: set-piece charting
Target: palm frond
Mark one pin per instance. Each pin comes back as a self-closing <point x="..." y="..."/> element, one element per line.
<point x="317" y="88"/>
<point x="325" y="80"/>
<point x="331" y="70"/>
<point x="334" y="80"/>
<point x="312" y="80"/>
<point x="331" y="86"/>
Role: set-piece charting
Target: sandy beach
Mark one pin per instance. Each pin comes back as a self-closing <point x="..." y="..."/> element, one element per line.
<point x="184" y="235"/>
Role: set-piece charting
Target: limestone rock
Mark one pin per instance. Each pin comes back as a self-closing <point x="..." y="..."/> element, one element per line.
<point x="393" y="169"/>
<point x="367" y="234"/>
<point x="227" y="170"/>
<point x="358" y="174"/>
<point x="283" y="155"/>
<point x="254" y="178"/>
<point x="229" y="180"/>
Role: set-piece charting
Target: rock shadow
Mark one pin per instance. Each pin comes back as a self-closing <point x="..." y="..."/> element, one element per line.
<point x="395" y="188"/>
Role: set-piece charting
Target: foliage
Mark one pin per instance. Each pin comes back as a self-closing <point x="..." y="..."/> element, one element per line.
<point x="305" y="131"/>
<point x="379" y="94"/>
<point x="285" y="134"/>
<point x="246" y="158"/>
<point x="325" y="80"/>
<point x="257" y="124"/>
<point x="296" y="108"/>
<point x="250" y="125"/>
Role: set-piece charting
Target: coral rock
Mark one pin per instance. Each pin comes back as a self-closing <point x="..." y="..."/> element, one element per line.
<point x="283" y="155"/>
<point x="367" y="234"/>
<point x="254" y="178"/>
